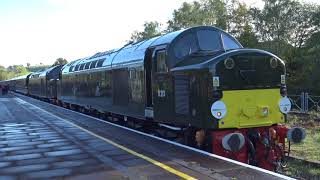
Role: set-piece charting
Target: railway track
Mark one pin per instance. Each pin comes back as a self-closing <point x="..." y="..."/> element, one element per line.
<point x="301" y="168"/>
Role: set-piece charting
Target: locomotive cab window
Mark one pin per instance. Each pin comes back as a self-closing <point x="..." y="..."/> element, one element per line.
<point x="185" y="46"/>
<point x="161" y="62"/>
<point x="209" y="40"/>
<point x="229" y="43"/>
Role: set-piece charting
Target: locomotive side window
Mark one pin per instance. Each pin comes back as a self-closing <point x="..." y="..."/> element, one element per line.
<point x="229" y="43"/>
<point x="209" y="40"/>
<point x="161" y="62"/>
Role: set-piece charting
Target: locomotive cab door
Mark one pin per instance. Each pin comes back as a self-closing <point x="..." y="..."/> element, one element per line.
<point x="162" y="86"/>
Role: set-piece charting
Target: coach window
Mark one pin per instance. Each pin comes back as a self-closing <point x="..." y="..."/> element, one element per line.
<point x="100" y="62"/>
<point x="81" y="66"/>
<point x="93" y="64"/>
<point x="77" y="67"/>
<point x="87" y="65"/>
<point x="161" y="62"/>
<point x="71" y="68"/>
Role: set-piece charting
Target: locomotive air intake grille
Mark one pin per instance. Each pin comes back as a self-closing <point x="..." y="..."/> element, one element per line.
<point x="181" y="87"/>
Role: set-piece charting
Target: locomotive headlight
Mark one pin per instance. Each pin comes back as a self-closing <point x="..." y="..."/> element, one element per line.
<point x="285" y="105"/>
<point x="218" y="109"/>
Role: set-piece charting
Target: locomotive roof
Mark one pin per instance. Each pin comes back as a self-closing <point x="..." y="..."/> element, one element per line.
<point x="132" y="53"/>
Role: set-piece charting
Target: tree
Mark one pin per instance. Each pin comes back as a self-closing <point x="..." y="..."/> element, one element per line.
<point x="205" y="12"/>
<point x="60" y="61"/>
<point x="151" y="29"/>
<point x="17" y="69"/>
<point x="3" y="73"/>
<point x="239" y="18"/>
<point x="12" y="71"/>
<point x="305" y="24"/>
<point x="274" y="21"/>
<point x="248" y="38"/>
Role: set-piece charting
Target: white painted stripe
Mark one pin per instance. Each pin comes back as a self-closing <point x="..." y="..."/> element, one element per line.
<point x="183" y="146"/>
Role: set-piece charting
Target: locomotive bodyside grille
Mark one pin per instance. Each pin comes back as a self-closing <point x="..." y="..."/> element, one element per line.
<point x="181" y="86"/>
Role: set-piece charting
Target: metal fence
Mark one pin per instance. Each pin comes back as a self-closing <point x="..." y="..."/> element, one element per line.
<point x="305" y="102"/>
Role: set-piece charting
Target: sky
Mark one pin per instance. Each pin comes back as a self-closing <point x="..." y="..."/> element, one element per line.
<point x="40" y="31"/>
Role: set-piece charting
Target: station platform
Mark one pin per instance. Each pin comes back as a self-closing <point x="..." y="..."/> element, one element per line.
<point x="42" y="141"/>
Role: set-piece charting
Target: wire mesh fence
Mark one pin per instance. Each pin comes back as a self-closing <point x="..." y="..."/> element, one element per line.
<point x="305" y="103"/>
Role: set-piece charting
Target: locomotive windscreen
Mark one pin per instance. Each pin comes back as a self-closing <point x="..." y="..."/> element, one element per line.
<point x="203" y="42"/>
<point x="250" y="71"/>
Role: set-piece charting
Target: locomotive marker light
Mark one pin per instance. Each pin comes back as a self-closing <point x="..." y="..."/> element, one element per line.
<point x="218" y="109"/>
<point x="283" y="79"/>
<point x="273" y="63"/>
<point x="285" y="105"/>
<point x="229" y="63"/>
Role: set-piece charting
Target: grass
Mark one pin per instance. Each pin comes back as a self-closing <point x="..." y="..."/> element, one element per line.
<point x="309" y="149"/>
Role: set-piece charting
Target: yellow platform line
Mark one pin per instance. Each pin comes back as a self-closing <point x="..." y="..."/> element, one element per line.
<point x="157" y="163"/>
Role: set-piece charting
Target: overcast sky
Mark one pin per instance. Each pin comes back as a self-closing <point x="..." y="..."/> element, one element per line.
<point x="40" y="31"/>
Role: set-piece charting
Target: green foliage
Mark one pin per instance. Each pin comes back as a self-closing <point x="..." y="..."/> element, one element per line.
<point x="12" y="71"/>
<point x="205" y="12"/>
<point x="151" y="29"/>
<point x="37" y="68"/>
<point x="60" y="61"/>
<point x="248" y="38"/>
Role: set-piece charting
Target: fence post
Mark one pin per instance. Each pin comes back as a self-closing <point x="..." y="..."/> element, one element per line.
<point x="306" y="104"/>
<point x="302" y="101"/>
